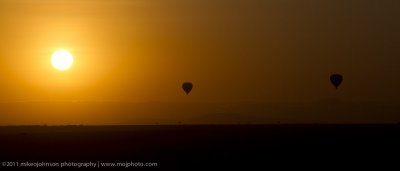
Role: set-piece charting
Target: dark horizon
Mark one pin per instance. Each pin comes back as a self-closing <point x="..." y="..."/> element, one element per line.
<point x="188" y="147"/>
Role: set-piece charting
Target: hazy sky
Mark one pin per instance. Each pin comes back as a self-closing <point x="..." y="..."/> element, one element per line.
<point x="232" y="50"/>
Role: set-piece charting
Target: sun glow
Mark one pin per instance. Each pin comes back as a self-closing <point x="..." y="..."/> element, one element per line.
<point x="62" y="60"/>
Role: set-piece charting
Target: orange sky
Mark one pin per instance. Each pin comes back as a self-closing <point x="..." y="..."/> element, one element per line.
<point x="233" y="51"/>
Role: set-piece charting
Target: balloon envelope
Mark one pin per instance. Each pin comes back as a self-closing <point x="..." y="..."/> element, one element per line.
<point x="336" y="80"/>
<point x="187" y="87"/>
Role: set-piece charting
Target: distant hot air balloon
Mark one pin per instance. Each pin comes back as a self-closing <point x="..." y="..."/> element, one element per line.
<point x="336" y="80"/>
<point x="187" y="87"/>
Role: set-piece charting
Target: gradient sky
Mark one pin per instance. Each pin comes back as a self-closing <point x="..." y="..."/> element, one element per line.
<point x="232" y="50"/>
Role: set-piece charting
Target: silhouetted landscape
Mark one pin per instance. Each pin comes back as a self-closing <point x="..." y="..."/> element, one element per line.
<point x="206" y="146"/>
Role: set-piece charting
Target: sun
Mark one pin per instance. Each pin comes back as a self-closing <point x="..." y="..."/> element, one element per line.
<point x="62" y="60"/>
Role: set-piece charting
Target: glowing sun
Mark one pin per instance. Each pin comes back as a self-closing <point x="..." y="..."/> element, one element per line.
<point x="62" y="60"/>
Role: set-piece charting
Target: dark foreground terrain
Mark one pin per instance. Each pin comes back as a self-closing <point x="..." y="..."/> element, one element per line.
<point x="187" y="147"/>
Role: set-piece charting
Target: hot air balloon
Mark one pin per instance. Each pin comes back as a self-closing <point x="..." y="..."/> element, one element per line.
<point x="336" y="80"/>
<point x="187" y="87"/>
